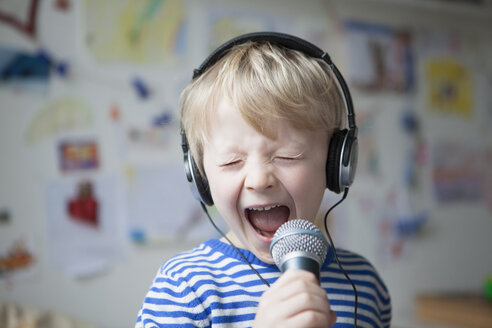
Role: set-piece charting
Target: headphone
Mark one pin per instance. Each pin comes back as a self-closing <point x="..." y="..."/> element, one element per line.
<point x="342" y="156"/>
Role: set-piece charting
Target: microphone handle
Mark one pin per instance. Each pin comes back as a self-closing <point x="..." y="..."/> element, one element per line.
<point x="302" y="263"/>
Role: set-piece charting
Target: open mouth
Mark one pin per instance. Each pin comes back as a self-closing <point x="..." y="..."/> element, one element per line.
<point x="266" y="220"/>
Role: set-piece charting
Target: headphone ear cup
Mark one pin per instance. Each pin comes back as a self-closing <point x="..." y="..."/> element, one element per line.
<point x="333" y="161"/>
<point x="199" y="185"/>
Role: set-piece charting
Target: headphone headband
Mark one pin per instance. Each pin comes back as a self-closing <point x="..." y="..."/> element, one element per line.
<point x="286" y="40"/>
<point x="290" y="42"/>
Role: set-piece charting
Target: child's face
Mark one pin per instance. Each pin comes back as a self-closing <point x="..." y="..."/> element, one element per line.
<point x="248" y="173"/>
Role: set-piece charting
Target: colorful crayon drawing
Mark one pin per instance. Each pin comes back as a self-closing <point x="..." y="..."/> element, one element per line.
<point x="17" y="257"/>
<point x="78" y="155"/>
<point x="135" y="31"/>
<point x="64" y="114"/>
<point x="458" y="172"/>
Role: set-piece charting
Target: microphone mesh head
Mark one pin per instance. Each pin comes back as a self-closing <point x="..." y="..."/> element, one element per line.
<point x="299" y="236"/>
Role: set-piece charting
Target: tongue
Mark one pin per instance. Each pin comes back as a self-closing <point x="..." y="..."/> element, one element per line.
<point x="269" y="221"/>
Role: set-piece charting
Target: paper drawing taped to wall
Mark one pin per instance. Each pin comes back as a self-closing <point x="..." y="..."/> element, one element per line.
<point x="86" y="224"/>
<point x="458" y="172"/>
<point x="380" y="57"/>
<point x="64" y="114"/>
<point x="78" y="155"/>
<point x="449" y="86"/>
<point x="135" y="31"/>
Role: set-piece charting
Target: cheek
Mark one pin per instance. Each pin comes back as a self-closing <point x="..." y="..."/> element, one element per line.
<point x="307" y="188"/>
<point x="224" y="190"/>
<point x="311" y="176"/>
<point x="223" y="186"/>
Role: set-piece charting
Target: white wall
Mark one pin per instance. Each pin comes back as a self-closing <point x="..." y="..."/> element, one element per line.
<point x="453" y="253"/>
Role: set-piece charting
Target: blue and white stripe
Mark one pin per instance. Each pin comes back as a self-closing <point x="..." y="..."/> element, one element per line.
<point x="211" y="286"/>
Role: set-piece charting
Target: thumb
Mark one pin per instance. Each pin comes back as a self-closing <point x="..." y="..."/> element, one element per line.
<point x="333" y="317"/>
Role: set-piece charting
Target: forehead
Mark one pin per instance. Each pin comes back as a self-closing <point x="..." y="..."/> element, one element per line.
<point x="224" y="112"/>
<point x="228" y="127"/>
<point x="227" y="117"/>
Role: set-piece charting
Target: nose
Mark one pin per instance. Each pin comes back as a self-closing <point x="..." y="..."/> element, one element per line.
<point x="259" y="177"/>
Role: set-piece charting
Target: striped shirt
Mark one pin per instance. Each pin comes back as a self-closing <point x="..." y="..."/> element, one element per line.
<point x="212" y="286"/>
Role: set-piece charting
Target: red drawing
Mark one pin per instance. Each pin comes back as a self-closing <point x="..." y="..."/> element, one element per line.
<point x="26" y="21"/>
<point x="84" y="207"/>
<point x="63" y="5"/>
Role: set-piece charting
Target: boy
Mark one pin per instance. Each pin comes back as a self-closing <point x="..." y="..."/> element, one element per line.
<point x="258" y="118"/>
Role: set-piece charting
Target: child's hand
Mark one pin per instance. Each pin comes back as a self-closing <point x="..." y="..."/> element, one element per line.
<point x="295" y="300"/>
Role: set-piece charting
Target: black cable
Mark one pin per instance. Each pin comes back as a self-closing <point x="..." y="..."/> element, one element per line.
<point x="230" y="242"/>
<point x="336" y="256"/>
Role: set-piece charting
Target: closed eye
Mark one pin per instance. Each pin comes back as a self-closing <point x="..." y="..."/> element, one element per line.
<point x="287" y="159"/>
<point x="230" y="163"/>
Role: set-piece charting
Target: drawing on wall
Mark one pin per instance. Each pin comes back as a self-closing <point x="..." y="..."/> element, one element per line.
<point x="155" y="134"/>
<point x="152" y="137"/>
<point x="62" y="5"/>
<point x="86" y="224"/>
<point x="64" y="114"/>
<point x="84" y="206"/>
<point x="17" y="257"/>
<point x="380" y="58"/>
<point x="458" y="172"/>
<point x="447" y="61"/>
<point x="21" y="14"/>
<point x="449" y="86"/>
<point x="76" y="155"/>
<point x="135" y="31"/>
<point x="23" y="71"/>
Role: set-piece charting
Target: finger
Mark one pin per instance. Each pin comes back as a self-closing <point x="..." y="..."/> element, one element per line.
<point x="293" y="282"/>
<point x="293" y="275"/>
<point x="297" y="293"/>
<point x="304" y="302"/>
<point x="310" y="319"/>
<point x="300" y="311"/>
<point x="333" y="317"/>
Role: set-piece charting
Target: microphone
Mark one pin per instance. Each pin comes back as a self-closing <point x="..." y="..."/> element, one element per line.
<point x="299" y="244"/>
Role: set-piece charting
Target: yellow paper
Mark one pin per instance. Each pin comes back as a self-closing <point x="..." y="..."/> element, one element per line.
<point x="450" y="86"/>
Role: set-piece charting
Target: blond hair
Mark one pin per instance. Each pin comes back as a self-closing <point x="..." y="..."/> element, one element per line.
<point x="265" y="83"/>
